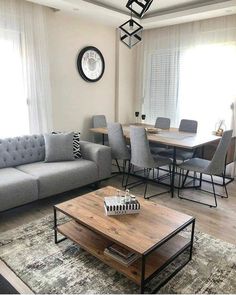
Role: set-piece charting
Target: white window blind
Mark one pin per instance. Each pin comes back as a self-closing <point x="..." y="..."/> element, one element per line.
<point x="161" y="86"/>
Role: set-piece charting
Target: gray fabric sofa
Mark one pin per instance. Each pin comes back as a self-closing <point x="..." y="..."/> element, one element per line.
<point x="25" y="177"/>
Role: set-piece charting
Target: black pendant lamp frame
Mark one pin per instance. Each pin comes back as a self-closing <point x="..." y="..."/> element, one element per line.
<point x="134" y="34"/>
<point x="144" y="6"/>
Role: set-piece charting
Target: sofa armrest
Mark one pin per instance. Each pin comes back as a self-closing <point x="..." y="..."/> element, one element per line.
<point x="99" y="154"/>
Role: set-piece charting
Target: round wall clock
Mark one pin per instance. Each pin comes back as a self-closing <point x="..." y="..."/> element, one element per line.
<point x="91" y="64"/>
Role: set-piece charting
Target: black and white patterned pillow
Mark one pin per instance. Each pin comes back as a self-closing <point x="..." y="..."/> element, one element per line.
<point x="76" y="144"/>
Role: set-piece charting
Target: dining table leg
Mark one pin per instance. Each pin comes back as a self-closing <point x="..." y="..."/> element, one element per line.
<point x="173" y="173"/>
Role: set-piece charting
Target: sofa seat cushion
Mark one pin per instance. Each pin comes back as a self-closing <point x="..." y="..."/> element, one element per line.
<point x="16" y="188"/>
<point x="58" y="177"/>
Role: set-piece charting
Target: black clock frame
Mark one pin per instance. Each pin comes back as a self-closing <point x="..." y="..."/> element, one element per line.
<point x="79" y="64"/>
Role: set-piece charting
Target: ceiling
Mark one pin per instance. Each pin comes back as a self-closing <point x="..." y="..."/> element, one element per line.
<point x="157" y="5"/>
<point x="161" y="13"/>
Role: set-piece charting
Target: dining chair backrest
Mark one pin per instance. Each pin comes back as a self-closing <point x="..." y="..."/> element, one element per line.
<point x="140" y="150"/>
<point x="117" y="142"/>
<point x="217" y="164"/>
<point x="99" y="121"/>
<point x="188" y="126"/>
<point x="162" y="123"/>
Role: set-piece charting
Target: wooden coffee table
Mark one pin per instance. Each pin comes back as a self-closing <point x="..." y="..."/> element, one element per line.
<point x="153" y="234"/>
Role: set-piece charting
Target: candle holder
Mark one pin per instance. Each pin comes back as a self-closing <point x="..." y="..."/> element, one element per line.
<point x="136" y="117"/>
<point x="143" y="118"/>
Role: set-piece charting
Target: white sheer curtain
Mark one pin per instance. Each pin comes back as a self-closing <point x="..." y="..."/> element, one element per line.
<point x="158" y="71"/>
<point x="14" y="119"/>
<point x="25" y="93"/>
<point x="188" y="71"/>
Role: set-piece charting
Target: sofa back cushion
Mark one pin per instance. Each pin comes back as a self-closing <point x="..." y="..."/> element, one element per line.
<point x="21" y="150"/>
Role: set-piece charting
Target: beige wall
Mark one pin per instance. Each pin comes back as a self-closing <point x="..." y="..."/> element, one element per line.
<point x="74" y="101"/>
<point x="125" y="82"/>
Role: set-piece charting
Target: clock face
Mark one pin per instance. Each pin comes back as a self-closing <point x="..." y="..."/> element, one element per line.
<point x="91" y="64"/>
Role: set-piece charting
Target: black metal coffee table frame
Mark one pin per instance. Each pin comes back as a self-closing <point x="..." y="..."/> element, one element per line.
<point x="170" y="260"/>
<point x="145" y="281"/>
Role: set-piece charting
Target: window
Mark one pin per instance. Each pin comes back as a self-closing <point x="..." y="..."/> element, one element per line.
<point x="207" y="85"/>
<point x="14" y="119"/>
<point x="191" y="83"/>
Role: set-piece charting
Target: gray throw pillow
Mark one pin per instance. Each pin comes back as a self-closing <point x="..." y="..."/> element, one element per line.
<point x="59" y="147"/>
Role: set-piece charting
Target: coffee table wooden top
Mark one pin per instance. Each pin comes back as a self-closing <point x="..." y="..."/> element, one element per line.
<point x="140" y="232"/>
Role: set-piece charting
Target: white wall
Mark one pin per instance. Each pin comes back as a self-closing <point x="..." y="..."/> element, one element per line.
<point x="75" y="101"/>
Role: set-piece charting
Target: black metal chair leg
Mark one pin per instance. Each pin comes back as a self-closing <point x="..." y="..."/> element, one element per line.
<point x="170" y="173"/>
<point x="117" y="163"/>
<point x="214" y="192"/>
<point x="194" y="178"/>
<point x="226" y="192"/>
<point x="180" y="176"/>
<point x="146" y="187"/>
<point x="145" y="190"/>
<point x="225" y="187"/>
<point x="185" y="178"/>
<point x="200" y="181"/>
<point x="146" y="183"/>
<point x="128" y="174"/>
<point x="123" y="176"/>
<point x="206" y="204"/>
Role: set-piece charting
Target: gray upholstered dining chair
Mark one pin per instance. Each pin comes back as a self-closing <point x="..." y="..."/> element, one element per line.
<point x="188" y="126"/>
<point x="214" y="167"/>
<point x="164" y="124"/>
<point x="119" y="148"/>
<point x="141" y="157"/>
<point x="99" y="121"/>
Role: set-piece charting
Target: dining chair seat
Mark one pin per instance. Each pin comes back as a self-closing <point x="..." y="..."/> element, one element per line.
<point x="181" y="155"/>
<point x="161" y="161"/>
<point x="196" y="164"/>
<point x="155" y="150"/>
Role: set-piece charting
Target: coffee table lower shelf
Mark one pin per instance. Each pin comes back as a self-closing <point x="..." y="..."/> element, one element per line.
<point x="154" y="262"/>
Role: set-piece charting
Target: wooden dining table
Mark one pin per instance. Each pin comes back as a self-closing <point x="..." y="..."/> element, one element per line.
<point x="172" y="138"/>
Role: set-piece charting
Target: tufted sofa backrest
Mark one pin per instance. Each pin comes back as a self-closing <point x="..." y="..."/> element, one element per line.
<point x="21" y="150"/>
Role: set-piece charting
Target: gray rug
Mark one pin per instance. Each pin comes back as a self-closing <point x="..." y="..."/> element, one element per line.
<point x="48" y="268"/>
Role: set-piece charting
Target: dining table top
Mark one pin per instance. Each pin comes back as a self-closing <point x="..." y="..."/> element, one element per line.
<point x="171" y="137"/>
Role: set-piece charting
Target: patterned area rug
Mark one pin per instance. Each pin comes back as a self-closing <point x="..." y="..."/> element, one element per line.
<point x="48" y="268"/>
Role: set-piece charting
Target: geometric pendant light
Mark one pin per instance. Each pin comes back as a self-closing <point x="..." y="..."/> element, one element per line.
<point x="139" y="7"/>
<point x="131" y="33"/>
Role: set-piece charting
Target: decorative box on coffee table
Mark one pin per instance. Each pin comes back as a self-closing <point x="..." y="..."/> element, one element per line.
<point x="155" y="234"/>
